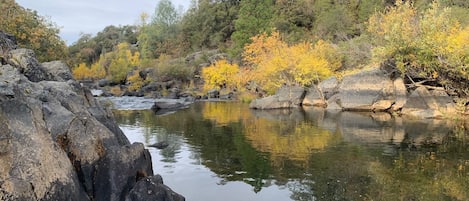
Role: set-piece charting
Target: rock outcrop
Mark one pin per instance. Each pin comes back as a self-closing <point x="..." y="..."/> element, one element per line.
<point x="57" y="142"/>
<point x="373" y="90"/>
<point x="286" y="97"/>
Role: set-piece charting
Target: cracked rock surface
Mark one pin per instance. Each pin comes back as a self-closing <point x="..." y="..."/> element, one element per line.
<point x="56" y="141"/>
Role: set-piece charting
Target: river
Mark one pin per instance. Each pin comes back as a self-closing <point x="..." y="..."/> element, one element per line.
<point x="225" y="151"/>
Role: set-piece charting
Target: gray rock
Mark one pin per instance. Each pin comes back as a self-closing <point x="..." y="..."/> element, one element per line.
<point x="58" y="70"/>
<point x="213" y="93"/>
<point x="400" y="94"/>
<point x="26" y="62"/>
<point x="7" y="43"/>
<point x="169" y="106"/>
<point x="423" y="103"/>
<point x="159" y="145"/>
<point x="366" y="91"/>
<point x="103" y="82"/>
<point x="286" y="97"/>
<point x="151" y="87"/>
<point x="113" y="183"/>
<point x="329" y="87"/>
<point x="314" y="97"/>
<point x="57" y="142"/>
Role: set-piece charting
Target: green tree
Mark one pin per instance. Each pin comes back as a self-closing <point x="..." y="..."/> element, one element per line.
<point x="160" y="36"/>
<point x="87" y="49"/>
<point x="209" y="24"/>
<point x="254" y="18"/>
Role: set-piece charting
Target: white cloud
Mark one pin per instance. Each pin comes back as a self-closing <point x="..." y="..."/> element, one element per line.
<point x="91" y="16"/>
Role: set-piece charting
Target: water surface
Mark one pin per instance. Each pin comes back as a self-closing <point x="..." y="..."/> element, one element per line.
<point x="224" y="151"/>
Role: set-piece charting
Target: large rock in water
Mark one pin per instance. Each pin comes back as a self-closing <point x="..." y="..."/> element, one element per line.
<point x="57" y="142"/>
<point x="286" y="97"/>
<point x="423" y="103"/>
<point x="371" y="90"/>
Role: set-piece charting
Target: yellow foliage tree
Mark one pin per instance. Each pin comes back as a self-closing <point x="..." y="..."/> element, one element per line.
<point x="98" y="72"/>
<point x="32" y="31"/>
<point x="429" y="44"/>
<point x="136" y="82"/>
<point x="82" y="72"/>
<point x="221" y="74"/>
<point x="275" y="63"/>
<point x="122" y="60"/>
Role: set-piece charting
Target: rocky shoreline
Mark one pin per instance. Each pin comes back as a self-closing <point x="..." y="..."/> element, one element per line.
<point x="374" y="90"/>
<point x="58" y="143"/>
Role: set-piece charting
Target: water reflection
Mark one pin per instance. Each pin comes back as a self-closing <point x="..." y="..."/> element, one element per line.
<point x="313" y="154"/>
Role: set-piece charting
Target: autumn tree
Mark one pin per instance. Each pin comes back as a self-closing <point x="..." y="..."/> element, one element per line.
<point x="88" y="48"/>
<point x="220" y="75"/>
<point x="429" y="44"/>
<point x="276" y="63"/>
<point x="32" y="31"/>
<point x="122" y="61"/>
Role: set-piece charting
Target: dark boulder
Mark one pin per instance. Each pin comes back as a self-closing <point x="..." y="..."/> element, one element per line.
<point x="25" y="61"/>
<point x="213" y="93"/>
<point x="163" y="107"/>
<point x="103" y="82"/>
<point x="113" y="183"/>
<point x="152" y="188"/>
<point x="57" y="142"/>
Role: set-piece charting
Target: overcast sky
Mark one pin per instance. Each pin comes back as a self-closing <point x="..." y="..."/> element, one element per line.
<point x="91" y="16"/>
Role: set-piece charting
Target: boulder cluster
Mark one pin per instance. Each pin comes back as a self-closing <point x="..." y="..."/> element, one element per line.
<point x="373" y="90"/>
<point x="58" y="143"/>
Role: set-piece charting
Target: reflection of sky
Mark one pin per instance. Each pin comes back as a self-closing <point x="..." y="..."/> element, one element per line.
<point x="188" y="177"/>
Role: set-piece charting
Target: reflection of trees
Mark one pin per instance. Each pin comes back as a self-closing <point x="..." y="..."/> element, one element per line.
<point x="152" y="132"/>
<point x="432" y="172"/>
<point x="350" y="160"/>
<point x="288" y="141"/>
<point x="217" y="139"/>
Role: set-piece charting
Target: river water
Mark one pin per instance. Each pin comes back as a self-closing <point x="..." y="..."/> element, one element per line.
<point x="225" y="151"/>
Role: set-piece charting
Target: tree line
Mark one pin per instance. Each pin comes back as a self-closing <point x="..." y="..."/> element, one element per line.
<point x="275" y="42"/>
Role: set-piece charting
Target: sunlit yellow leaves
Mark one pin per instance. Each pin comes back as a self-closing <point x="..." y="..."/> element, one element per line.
<point x="261" y="48"/>
<point x="220" y="75"/>
<point x="430" y="43"/>
<point x="397" y="28"/>
<point x="136" y="82"/>
<point x="114" y="65"/>
<point x="83" y="72"/>
<point x="122" y="61"/>
<point x="275" y="63"/>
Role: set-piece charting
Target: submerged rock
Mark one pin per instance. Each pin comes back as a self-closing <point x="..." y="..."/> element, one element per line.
<point x="160" y="145"/>
<point x="167" y="106"/>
